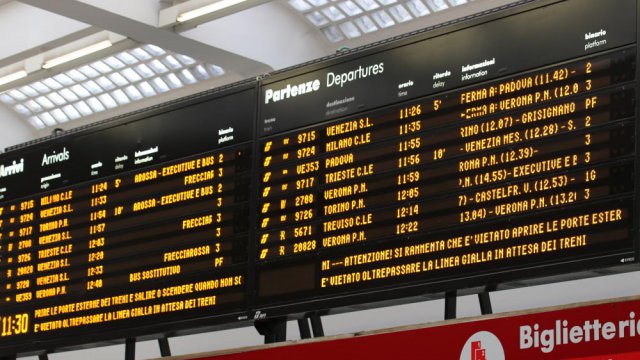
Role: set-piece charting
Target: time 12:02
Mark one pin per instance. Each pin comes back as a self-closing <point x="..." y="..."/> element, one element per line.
<point x="15" y="324"/>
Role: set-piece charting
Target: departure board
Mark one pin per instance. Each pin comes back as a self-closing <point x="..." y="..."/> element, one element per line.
<point x="471" y="161"/>
<point x="137" y="225"/>
<point x="494" y="150"/>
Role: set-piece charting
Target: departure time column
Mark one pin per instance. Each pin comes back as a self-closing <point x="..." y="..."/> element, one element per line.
<point x="408" y="175"/>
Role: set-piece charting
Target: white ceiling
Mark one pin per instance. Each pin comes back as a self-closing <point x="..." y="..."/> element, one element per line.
<point x="247" y="40"/>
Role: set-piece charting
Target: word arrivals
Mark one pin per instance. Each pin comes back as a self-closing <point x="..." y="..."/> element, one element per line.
<point x="56" y="157"/>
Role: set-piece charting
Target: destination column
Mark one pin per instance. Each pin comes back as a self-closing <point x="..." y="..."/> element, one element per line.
<point x="345" y="182"/>
<point x="55" y="249"/>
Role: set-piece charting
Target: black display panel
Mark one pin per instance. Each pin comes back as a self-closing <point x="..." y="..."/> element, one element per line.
<point x="496" y="149"/>
<point x="495" y="152"/>
<point x="138" y="227"/>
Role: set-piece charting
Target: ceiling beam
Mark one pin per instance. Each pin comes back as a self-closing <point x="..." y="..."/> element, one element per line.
<point x="91" y="30"/>
<point x="166" y="39"/>
<point x="167" y="16"/>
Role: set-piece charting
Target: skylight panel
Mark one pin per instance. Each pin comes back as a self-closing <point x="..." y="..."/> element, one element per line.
<point x="68" y="95"/>
<point x="173" y="81"/>
<point x="114" y="63"/>
<point x="339" y="20"/>
<point x="36" y="123"/>
<point x="118" y="79"/>
<point x="333" y="34"/>
<point x="154" y="50"/>
<point x="47" y="119"/>
<point x="215" y="70"/>
<point x="21" y="109"/>
<point x="187" y="76"/>
<point x="41" y="87"/>
<point x="437" y="5"/>
<point x="317" y="19"/>
<point x="127" y="58"/>
<point x="350" y="30"/>
<point x="131" y="75"/>
<point x="200" y="72"/>
<point x="18" y="95"/>
<point x="29" y="91"/>
<point x="103" y="84"/>
<point x="75" y="76"/>
<point x="400" y="14"/>
<point x="52" y="84"/>
<point x="57" y="99"/>
<point x="5" y="98"/>
<point x="350" y="8"/>
<point x="92" y="87"/>
<point x="140" y="54"/>
<point x="83" y="108"/>
<point x="365" y="24"/>
<point x="417" y="8"/>
<point x="71" y="112"/>
<point x="133" y="93"/>
<point x="160" y="85"/>
<point x="88" y="71"/>
<point x="172" y="62"/>
<point x="300" y="5"/>
<point x="333" y="13"/>
<point x="33" y="106"/>
<point x="187" y="60"/>
<point x="63" y="80"/>
<point x="382" y="19"/>
<point x="59" y="115"/>
<point x="120" y="97"/>
<point x="80" y="91"/>
<point x="102" y="67"/>
<point x="368" y="5"/>
<point x="108" y="101"/>
<point x="44" y="102"/>
<point x="144" y="70"/>
<point x="95" y="105"/>
<point x="158" y="67"/>
<point x="146" y="89"/>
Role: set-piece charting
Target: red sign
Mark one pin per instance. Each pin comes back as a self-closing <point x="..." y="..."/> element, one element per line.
<point x="627" y="356"/>
<point x="604" y="331"/>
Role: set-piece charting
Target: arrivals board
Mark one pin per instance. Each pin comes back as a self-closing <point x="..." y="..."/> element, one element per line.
<point x="499" y="151"/>
<point x="491" y="150"/>
<point x="128" y="227"/>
